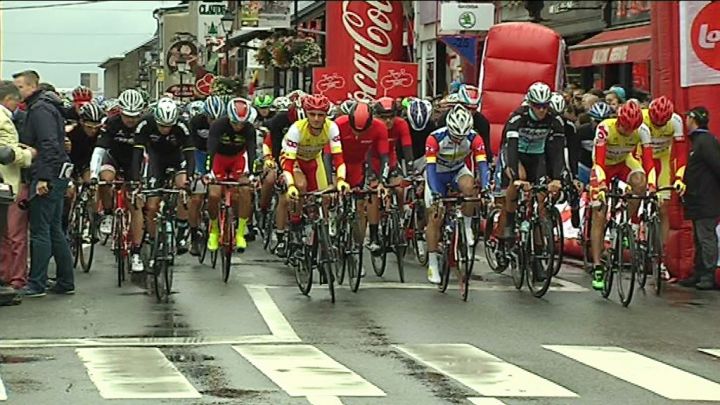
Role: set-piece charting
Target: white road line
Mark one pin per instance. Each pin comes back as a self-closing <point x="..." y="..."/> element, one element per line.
<point x="482" y="372"/>
<point x="324" y="400"/>
<point x="712" y="352"/>
<point x="135" y="373"/>
<point x="142" y="341"/>
<point x="275" y="320"/>
<point x="652" y="375"/>
<point x="305" y="371"/>
<point x="486" y="401"/>
<point x="3" y="394"/>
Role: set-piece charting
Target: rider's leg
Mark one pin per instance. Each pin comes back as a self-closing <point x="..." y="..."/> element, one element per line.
<point x="466" y="184"/>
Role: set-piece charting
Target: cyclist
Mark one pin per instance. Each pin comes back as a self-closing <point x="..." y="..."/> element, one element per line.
<point x="469" y="97"/>
<point x="231" y="149"/>
<point x="213" y="108"/>
<point x="418" y="116"/>
<point x="533" y="144"/>
<point x="615" y="141"/>
<point x="113" y="152"/>
<point x="81" y="95"/>
<point x="168" y="145"/>
<point x="193" y="109"/>
<point x="386" y="110"/>
<point x="302" y="157"/>
<point x="359" y="134"/>
<point x="666" y="135"/>
<point x="449" y="151"/>
<point x="263" y="104"/>
<point x="581" y="147"/>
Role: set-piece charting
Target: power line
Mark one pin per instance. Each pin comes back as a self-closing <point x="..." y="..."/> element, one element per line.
<point x="49" y="62"/>
<point x="77" y="3"/>
<point x="91" y="34"/>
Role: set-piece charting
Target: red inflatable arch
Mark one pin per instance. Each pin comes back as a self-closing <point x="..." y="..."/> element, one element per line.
<point x="515" y="56"/>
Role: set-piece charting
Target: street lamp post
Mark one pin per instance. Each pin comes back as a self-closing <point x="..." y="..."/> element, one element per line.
<point x="226" y="23"/>
<point x="182" y="67"/>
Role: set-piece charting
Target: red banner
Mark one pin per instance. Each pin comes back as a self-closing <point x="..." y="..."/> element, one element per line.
<point x="397" y="79"/>
<point x="330" y="82"/>
<point x="372" y="31"/>
<point x="184" y="91"/>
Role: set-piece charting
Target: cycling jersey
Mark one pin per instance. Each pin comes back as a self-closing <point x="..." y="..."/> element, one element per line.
<point x="82" y="149"/>
<point x="278" y="126"/>
<point x="117" y="140"/>
<point x="163" y="151"/>
<point x="199" y="131"/>
<point x="444" y="157"/>
<point x="662" y="137"/>
<point x="357" y="147"/>
<point x="481" y="125"/>
<point x="302" y="145"/>
<point x="419" y="137"/>
<point x="613" y="148"/>
<point x="223" y="140"/>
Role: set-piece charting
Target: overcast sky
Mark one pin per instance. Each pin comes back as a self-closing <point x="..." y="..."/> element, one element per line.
<point x="75" y="33"/>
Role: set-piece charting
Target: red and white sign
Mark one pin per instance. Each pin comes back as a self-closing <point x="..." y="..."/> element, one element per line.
<point x="372" y="31"/>
<point x="184" y="91"/>
<point x="327" y="81"/>
<point x="397" y="79"/>
<point x="699" y="43"/>
<point x="204" y="84"/>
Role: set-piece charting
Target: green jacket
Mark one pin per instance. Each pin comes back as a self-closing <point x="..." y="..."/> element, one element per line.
<point x="23" y="157"/>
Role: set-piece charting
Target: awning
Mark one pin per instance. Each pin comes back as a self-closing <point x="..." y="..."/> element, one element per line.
<point x="246" y="35"/>
<point x="625" y="45"/>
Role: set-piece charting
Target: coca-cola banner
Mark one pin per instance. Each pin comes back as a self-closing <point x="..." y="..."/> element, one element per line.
<point x="330" y="82"/>
<point x="699" y="43"/>
<point x="397" y="79"/>
<point x="359" y="35"/>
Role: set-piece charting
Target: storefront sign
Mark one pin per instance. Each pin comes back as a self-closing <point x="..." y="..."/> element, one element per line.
<point x="209" y="14"/>
<point x="181" y="51"/>
<point x="372" y="32"/>
<point x="472" y="17"/>
<point x="604" y="56"/>
<point x="204" y="84"/>
<point x="184" y="91"/>
<point x="330" y="82"/>
<point x="699" y="43"/>
<point x="398" y="79"/>
<point x="265" y="14"/>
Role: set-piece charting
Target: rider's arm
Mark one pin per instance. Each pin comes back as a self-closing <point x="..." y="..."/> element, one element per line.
<point x="647" y="154"/>
<point x="250" y="146"/>
<point x="188" y="149"/>
<point x="382" y="150"/>
<point x="557" y="148"/>
<point x="679" y="146"/>
<point x="431" y="150"/>
<point x="141" y="140"/>
<point x="482" y="127"/>
<point x="267" y="145"/>
<point x="572" y="140"/>
<point x="96" y="161"/>
<point x="481" y="163"/>
<point x="405" y="142"/>
<point x="600" y="151"/>
<point x="512" y="137"/>
<point x="289" y="152"/>
<point x="337" y="152"/>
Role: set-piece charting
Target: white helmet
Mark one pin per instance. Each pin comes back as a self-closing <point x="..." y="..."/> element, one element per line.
<point x="557" y="103"/>
<point x="131" y="103"/>
<point x="459" y="123"/>
<point x="469" y="95"/>
<point x="166" y="112"/>
<point x="539" y="93"/>
<point x="282" y="103"/>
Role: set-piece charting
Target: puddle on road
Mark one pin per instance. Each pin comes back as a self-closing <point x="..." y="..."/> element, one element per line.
<point x="11" y="359"/>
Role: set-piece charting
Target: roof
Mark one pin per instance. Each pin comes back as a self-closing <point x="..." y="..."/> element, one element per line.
<point x="111" y="61"/>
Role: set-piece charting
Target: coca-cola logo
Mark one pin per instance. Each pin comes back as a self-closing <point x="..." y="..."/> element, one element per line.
<point x="705" y="35"/>
<point x="371" y="40"/>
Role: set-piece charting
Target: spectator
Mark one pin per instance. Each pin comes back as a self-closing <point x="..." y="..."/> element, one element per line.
<point x="19" y="157"/>
<point x="588" y="99"/>
<point x="44" y="130"/>
<point x="702" y="193"/>
<point x="615" y="97"/>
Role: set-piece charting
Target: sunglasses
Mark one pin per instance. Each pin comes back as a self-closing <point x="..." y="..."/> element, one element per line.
<point x="540" y="106"/>
<point x="92" y="126"/>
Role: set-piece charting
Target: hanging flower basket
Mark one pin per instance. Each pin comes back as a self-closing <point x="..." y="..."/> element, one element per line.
<point x="225" y="86"/>
<point x="284" y="52"/>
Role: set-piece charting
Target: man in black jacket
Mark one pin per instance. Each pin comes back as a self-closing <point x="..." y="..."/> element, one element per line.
<point x="44" y="129"/>
<point x="701" y="191"/>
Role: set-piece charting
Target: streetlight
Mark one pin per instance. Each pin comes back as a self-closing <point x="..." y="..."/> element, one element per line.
<point x="182" y="67"/>
<point x="226" y="23"/>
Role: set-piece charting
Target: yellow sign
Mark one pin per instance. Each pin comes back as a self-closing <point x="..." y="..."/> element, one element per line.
<point x="161" y="75"/>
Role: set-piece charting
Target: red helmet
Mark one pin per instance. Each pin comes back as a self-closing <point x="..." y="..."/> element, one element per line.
<point x="361" y="116"/>
<point x="385" y="106"/>
<point x="82" y="94"/>
<point x="295" y="113"/>
<point x="629" y="116"/>
<point x="315" y="102"/>
<point x="661" y="110"/>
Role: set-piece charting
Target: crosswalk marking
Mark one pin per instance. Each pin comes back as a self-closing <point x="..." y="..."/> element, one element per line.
<point x="135" y="373"/>
<point x="324" y="400"/>
<point x="486" y="401"/>
<point x="483" y="372"/>
<point x="652" y="375"/>
<point x="304" y="370"/>
<point x="271" y="314"/>
<point x="712" y="352"/>
<point x="3" y="394"/>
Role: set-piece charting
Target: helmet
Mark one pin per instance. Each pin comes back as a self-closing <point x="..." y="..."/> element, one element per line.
<point x="451" y="99"/>
<point x="213" y="107"/>
<point x="239" y="110"/>
<point x="539" y="93"/>
<point x="347" y="105"/>
<point x="661" y="110"/>
<point x="600" y="111"/>
<point x="459" y="122"/>
<point x="629" y="116"/>
<point x="315" y="102"/>
<point x="166" y="112"/>
<point x="385" y="106"/>
<point x="195" y="107"/>
<point x="295" y="113"/>
<point x="361" y="117"/>
<point x="91" y="112"/>
<point x="418" y="113"/>
<point x="405" y="103"/>
<point x="131" y="103"/>
<point x="469" y="95"/>
<point x="557" y="103"/>
<point x="296" y="96"/>
<point x="282" y="103"/>
<point x="82" y="94"/>
<point x="263" y="101"/>
<point x="334" y="111"/>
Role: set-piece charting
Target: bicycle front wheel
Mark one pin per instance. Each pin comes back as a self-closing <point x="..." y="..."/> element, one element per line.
<point x="540" y="266"/>
<point x="353" y="256"/>
<point x="303" y="270"/>
<point x="228" y="242"/>
<point x="626" y="263"/>
<point x="399" y="244"/>
<point x="445" y="269"/>
<point x="655" y="254"/>
<point x="160" y="264"/>
<point x="203" y="234"/>
<point x="418" y="240"/>
<point x="379" y="259"/>
<point x="464" y="255"/>
<point x="86" y="240"/>
<point x="558" y="238"/>
<point x="119" y="247"/>
<point x="491" y="241"/>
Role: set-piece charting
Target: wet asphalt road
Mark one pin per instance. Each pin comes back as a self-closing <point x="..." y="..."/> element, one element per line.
<point x="257" y="340"/>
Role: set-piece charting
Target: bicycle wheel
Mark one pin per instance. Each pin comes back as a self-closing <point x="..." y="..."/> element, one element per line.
<point x="655" y="254"/>
<point x="303" y="270"/>
<point x="203" y="235"/>
<point x="74" y="235"/>
<point x="643" y="252"/>
<point x="491" y="241"/>
<point x="119" y="246"/>
<point x="269" y="225"/>
<point x="418" y="240"/>
<point x="585" y="240"/>
<point x="353" y="256"/>
<point x="399" y="243"/>
<point x="626" y="264"/>
<point x="609" y="261"/>
<point x="379" y="259"/>
<point x="87" y="247"/>
<point x="228" y="242"/>
<point x="464" y="261"/>
<point x="518" y="263"/>
<point x="445" y="268"/>
<point x="540" y="264"/>
<point x="169" y="269"/>
<point x="558" y="239"/>
<point x="159" y="265"/>
<point x="339" y="246"/>
<point x="324" y="260"/>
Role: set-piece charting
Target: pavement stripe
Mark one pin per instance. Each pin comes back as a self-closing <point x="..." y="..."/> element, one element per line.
<point x="142" y="341"/>
<point x="305" y="371"/>
<point x="275" y="320"/>
<point x="135" y="373"/>
<point x="647" y="373"/>
<point x="3" y="394"/>
<point x="324" y="400"/>
<point x="712" y="352"/>
<point x="486" y="401"/>
<point x="482" y="372"/>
